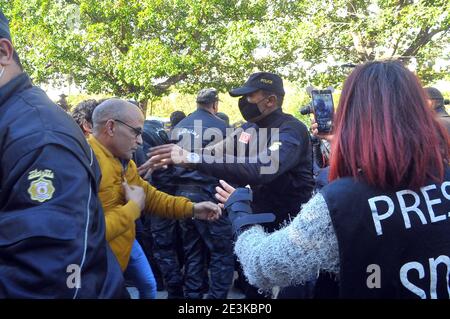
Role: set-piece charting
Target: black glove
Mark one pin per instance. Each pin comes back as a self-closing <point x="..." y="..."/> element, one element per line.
<point x="240" y="213"/>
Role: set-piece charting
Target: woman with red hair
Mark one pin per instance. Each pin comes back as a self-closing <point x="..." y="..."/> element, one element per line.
<point x="382" y="225"/>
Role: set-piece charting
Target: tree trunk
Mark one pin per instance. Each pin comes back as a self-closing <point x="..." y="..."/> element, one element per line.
<point x="143" y="104"/>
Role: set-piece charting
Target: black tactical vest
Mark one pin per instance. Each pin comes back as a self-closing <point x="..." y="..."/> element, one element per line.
<point x="392" y="244"/>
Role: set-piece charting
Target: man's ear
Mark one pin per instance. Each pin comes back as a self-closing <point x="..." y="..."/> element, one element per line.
<point x="6" y="52"/>
<point x="87" y="127"/>
<point x="110" y="127"/>
<point x="272" y="101"/>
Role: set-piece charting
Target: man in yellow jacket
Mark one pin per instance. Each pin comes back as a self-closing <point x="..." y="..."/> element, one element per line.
<point x="123" y="193"/>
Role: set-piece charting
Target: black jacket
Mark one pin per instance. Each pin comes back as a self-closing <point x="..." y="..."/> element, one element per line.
<point x="287" y="187"/>
<point x="52" y="238"/>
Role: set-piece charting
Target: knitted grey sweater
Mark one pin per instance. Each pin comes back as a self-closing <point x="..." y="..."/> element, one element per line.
<point x="293" y="254"/>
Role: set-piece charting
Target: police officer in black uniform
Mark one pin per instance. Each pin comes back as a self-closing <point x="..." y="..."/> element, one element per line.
<point x="200" y="238"/>
<point x="163" y="235"/>
<point x="52" y="225"/>
<point x="281" y="190"/>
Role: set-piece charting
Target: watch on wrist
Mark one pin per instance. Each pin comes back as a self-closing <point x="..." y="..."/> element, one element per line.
<point x="193" y="158"/>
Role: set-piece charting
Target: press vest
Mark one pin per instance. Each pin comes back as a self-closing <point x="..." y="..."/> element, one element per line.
<point x="392" y="244"/>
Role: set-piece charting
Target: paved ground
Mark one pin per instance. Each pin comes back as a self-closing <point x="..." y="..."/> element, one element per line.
<point x="233" y="293"/>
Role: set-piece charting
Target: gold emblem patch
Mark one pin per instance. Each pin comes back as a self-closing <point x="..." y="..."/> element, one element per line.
<point x="267" y="81"/>
<point x="41" y="188"/>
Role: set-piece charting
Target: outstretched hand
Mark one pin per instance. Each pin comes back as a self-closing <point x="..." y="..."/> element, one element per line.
<point x="207" y="211"/>
<point x="224" y="192"/>
<point x="161" y="156"/>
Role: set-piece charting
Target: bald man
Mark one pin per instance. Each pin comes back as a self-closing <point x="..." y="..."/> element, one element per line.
<point x="117" y="133"/>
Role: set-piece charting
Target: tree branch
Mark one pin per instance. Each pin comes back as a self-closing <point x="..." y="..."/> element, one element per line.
<point x="394" y="51"/>
<point x="162" y="87"/>
<point x="422" y="38"/>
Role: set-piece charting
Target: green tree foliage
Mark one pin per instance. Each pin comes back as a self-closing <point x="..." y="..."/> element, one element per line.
<point x="141" y="49"/>
<point x="322" y="35"/>
<point x="138" y="49"/>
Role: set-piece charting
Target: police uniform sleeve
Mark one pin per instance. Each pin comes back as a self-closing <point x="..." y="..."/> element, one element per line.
<point x="281" y="155"/>
<point x="293" y="254"/>
<point x="48" y="206"/>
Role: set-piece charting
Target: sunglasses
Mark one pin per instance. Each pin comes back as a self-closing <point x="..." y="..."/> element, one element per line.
<point x="136" y="130"/>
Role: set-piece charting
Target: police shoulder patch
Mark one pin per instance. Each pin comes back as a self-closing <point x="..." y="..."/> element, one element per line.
<point x="41" y="186"/>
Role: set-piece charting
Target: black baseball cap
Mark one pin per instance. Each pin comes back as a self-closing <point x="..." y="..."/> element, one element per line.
<point x="4" y="27"/>
<point x="434" y="94"/>
<point x="260" y="81"/>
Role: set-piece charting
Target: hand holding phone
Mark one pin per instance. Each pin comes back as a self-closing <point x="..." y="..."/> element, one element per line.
<point x="322" y="101"/>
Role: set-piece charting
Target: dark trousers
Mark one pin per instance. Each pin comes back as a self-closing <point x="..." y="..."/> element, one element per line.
<point x="199" y="238"/>
<point x="166" y="243"/>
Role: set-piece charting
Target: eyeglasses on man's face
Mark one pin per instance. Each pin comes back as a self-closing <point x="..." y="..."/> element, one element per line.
<point x="136" y="130"/>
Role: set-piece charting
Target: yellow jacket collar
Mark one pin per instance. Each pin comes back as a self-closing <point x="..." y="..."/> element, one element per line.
<point x="99" y="146"/>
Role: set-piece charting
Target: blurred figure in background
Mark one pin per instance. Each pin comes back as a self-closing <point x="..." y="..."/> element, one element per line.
<point x="437" y="103"/>
<point x="176" y="117"/>
<point x="82" y="114"/>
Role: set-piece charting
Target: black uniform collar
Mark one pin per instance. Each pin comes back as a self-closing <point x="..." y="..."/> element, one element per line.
<point x="269" y="119"/>
<point x="205" y="111"/>
<point x="17" y="84"/>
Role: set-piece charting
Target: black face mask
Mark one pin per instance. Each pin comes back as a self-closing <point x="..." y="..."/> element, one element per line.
<point x="248" y="110"/>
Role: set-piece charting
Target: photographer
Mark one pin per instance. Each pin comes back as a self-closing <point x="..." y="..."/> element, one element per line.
<point x="321" y="151"/>
<point x="321" y="141"/>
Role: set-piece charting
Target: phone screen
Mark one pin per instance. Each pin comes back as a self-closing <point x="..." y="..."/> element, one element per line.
<point x="323" y="109"/>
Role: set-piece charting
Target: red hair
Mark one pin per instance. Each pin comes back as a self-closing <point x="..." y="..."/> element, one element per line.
<point x="385" y="134"/>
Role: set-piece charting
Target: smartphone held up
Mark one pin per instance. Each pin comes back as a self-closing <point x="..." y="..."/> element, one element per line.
<point x="323" y="109"/>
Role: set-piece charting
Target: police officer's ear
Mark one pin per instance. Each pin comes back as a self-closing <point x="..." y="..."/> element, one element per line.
<point x="6" y="52"/>
<point x="272" y="101"/>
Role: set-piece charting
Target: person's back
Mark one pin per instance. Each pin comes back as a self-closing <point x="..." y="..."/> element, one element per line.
<point x="49" y="191"/>
<point x="197" y="123"/>
<point x="389" y="188"/>
<point x="200" y="239"/>
<point x="399" y="232"/>
<point x="197" y="130"/>
<point x="382" y="223"/>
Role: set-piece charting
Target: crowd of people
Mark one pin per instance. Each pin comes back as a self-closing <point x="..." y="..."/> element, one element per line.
<point x="100" y="199"/>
